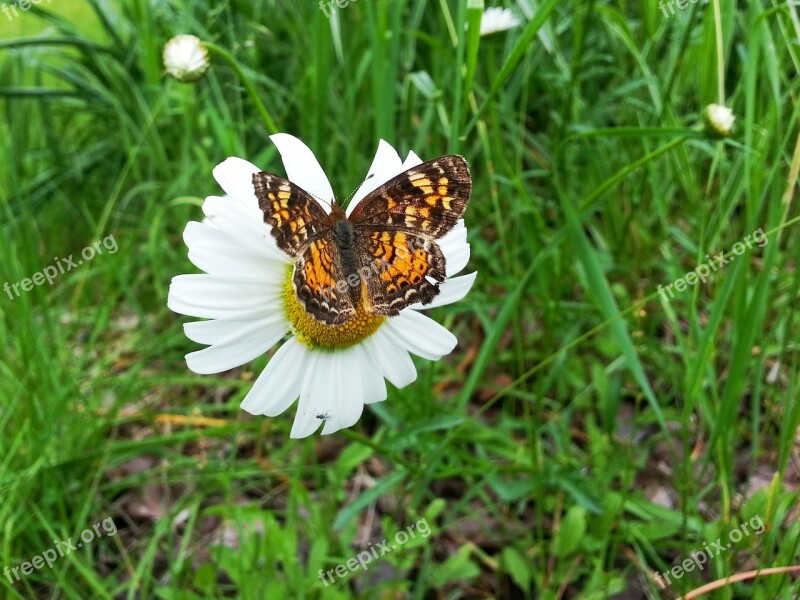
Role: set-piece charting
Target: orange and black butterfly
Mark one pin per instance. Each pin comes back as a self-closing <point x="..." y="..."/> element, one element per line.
<point x="382" y="258"/>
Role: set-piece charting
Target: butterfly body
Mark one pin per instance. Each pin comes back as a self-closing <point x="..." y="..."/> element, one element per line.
<point x="344" y="233"/>
<point x="344" y="236"/>
<point x="381" y="258"/>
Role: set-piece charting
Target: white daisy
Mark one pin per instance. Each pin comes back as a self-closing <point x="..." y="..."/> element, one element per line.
<point x="247" y="294"/>
<point x="186" y="58"/>
<point x="496" y="19"/>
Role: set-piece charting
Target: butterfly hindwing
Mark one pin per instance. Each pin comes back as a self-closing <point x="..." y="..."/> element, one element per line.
<point x="317" y="274"/>
<point x="406" y="269"/>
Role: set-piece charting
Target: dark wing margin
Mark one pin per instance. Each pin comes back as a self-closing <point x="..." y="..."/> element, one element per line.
<point x="428" y="199"/>
<point x="292" y="214"/>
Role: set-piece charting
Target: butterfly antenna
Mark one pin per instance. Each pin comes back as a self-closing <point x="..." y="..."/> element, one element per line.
<point x="358" y="187"/>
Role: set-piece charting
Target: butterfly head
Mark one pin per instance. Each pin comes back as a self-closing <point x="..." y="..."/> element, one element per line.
<point x="337" y="211"/>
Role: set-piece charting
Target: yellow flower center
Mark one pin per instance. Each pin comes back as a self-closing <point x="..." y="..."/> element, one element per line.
<point x="317" y="335"/>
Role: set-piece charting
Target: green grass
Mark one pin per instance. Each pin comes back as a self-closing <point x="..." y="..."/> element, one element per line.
<point x="586" y="432"/>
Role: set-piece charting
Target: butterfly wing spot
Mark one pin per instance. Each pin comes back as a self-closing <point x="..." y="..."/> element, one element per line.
<point x="279" y="212"/>
<point x="421" y="181"/>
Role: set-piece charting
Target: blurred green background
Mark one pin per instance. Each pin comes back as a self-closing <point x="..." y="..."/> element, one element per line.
<point x="585" y="434"/>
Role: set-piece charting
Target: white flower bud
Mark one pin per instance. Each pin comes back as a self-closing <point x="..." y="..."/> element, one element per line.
<point x="186" y="58"/>
<point x="719" y="120"/>
<point x="498" y="19"/>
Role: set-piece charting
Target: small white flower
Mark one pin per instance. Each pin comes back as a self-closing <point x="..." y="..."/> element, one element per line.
<point x="246" y="293"/>
<point x="498" y="19"/>
<point x="719" y="120"/>
<point x="186" y="58"/>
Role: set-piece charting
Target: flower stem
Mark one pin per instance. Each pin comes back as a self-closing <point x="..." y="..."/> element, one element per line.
<point x="248" y="84"/>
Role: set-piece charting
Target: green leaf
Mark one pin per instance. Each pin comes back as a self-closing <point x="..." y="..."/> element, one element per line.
<point x="458" y="566"/>
<point x="205" y="577"/>
<point x="517" y="566"/>
<point x="570" y="531"/>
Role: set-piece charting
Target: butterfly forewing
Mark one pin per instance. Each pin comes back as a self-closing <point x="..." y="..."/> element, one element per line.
<point x="293" y="214"/>
<point x="428" y="199"/>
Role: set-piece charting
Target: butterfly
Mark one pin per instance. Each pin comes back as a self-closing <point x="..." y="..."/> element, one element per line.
<point x="381" y="258"/>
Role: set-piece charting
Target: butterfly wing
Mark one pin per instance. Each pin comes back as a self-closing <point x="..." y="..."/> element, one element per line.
<point x="406" y="269"/>
<point x="293" y="215"/>
<point x="317" y="278"/>
<point x="397" y="226"/>
<point x="428" y="199"/>
<point x="302" y="229"/>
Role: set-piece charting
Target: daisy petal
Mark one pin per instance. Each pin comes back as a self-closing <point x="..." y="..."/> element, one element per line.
<point x="235" y="176"/>
<point x="225" y="291"/>
<point x="217" y="297"/>
<point x="394" y="362"/>
<point x="421" y="335"/>
<point x="450" y="291"/>
<point x="385" y="165"/>
<point x="280" y="382"/>
<point x="347" y="387"/>
<point x="412" y="160"/>
<point x="219" y="331"/>
<point x="242" y="223"/>
<point x="455" y="248"/>
<point x="374" y="385"/>
<point x="317" y="377"/>
<point x="216" y="252"/>
<point x="303" y="169"/>
<point x="233" y="216"/>
<point x="243" y="346"/>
